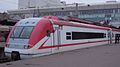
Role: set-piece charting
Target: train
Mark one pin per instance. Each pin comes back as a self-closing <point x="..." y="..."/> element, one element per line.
<point x="34" y="37"/>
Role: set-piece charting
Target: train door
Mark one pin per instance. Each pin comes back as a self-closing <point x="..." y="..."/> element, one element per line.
<point x="109" y="37"/>
<point x="56" y="39"/>
<point x="117" y="38"/>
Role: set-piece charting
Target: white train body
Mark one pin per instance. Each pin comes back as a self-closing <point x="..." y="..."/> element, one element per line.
<point x="33" y="37"/>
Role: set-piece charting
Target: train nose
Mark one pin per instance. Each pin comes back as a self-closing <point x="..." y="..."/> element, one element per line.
<point x="15" y="56"/>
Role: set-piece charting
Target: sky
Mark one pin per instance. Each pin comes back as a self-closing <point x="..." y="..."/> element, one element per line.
<point x="13" y="4"/>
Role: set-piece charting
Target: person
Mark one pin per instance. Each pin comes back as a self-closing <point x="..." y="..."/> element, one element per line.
<point x="116" y="39"/>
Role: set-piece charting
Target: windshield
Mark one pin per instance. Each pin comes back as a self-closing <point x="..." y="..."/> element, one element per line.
<point x="22" y="32"/>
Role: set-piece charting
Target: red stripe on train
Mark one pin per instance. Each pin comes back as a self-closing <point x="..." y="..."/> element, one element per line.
<point x="43" y="44"/>
<point x="44" y="47"/>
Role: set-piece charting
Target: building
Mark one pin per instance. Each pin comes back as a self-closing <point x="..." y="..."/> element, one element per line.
<point x="109" y="11"/>
<point x="24" y="4"/>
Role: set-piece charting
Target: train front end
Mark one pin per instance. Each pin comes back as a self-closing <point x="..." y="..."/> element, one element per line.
<point x="18" y="45"/>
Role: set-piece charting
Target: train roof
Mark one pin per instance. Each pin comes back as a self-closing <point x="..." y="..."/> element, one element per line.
<point x="68" y="21"/>
<point x="28" y="22"/>
<point x="72" y="21"/>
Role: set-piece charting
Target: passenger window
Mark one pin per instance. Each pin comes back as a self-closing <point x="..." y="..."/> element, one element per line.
<point x="68" y="36"/>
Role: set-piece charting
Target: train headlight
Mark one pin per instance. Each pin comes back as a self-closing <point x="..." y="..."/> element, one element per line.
<point x="26" y="46"/>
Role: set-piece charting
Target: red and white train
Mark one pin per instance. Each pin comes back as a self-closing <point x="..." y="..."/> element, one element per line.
<point x="34" y="37"/>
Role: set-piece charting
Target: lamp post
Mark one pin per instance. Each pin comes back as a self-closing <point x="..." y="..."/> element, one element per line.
<point x="76" y="10"/>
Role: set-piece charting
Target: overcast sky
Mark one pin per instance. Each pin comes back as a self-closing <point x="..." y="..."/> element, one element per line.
<point x="13" y="4"/>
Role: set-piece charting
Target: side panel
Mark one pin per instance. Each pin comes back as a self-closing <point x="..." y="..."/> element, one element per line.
<point x="61" y="43"/>
<point x="79" y="29"/>
<point x="80" y="43"/>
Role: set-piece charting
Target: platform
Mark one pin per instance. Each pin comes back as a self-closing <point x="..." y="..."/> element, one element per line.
<point x="101" y="56"/>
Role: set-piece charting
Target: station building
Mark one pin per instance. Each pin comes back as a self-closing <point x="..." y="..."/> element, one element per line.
<point x="109" y="10"/>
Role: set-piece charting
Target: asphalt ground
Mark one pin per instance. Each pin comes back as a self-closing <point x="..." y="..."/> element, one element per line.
<point x="101" y="56"/>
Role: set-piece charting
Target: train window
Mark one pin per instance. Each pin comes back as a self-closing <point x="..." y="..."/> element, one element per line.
<point x="22" y="32"/>
<point x="68" y="33"/>
<point x="26" y="32"/>
<point x="104" y="35"/>
<point x="86" y="35"/>
<point x="26" y="22"/>
<point x="33" y="22"/>
<point x="68" y="36"/>
<point x="16" y="32"/>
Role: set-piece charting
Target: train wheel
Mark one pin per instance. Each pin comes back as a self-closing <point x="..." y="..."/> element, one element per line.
<point x="15" y="56"/>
